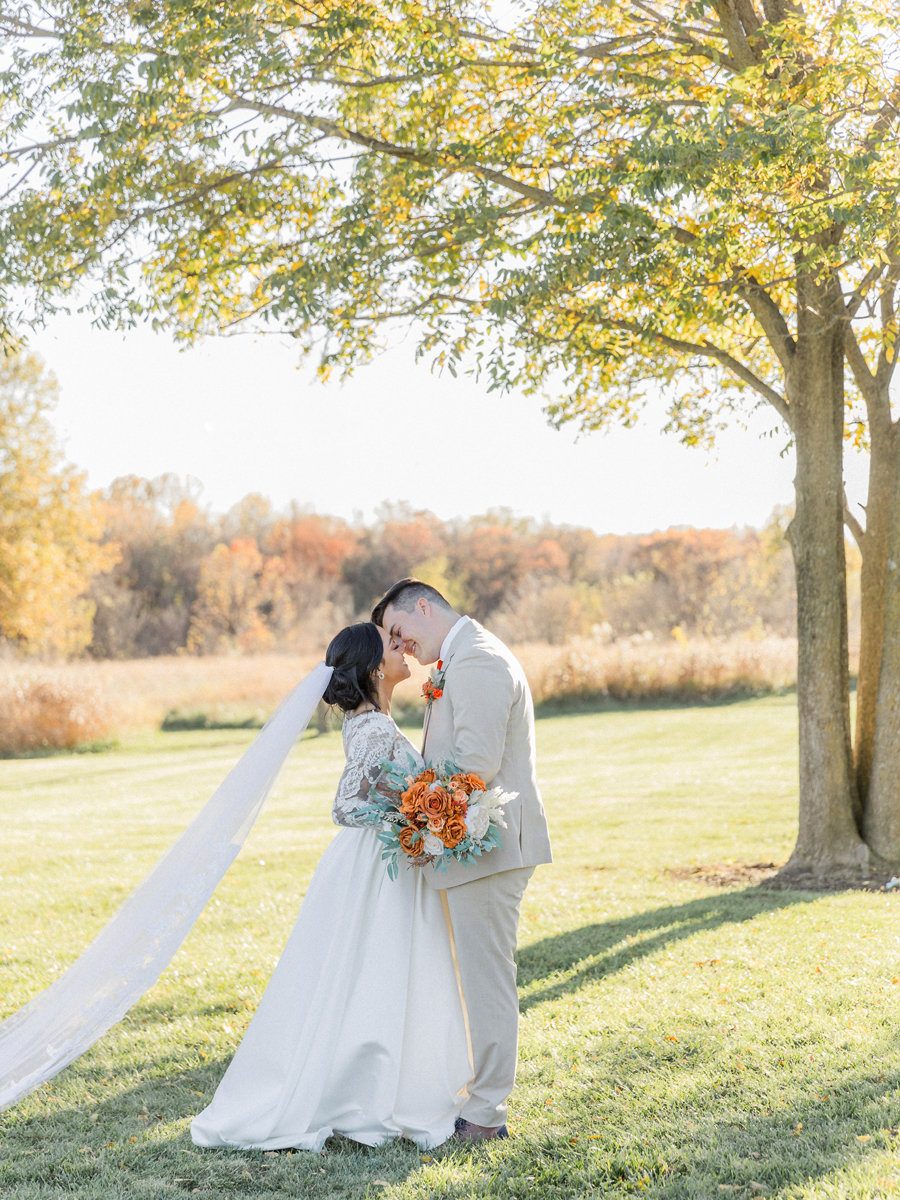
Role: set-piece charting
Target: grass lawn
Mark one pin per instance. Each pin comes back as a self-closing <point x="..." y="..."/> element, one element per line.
<point x="678" y="1039"/>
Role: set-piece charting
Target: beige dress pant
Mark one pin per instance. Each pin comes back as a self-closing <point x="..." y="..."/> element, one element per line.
<point x="485" y="917"/>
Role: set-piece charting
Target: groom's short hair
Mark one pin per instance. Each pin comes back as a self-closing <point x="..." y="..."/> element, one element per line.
<point x="405" y="595"/>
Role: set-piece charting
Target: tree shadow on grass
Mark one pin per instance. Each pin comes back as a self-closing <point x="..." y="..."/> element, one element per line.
<point x="699" y="1141"/>
<point x="559" y="965"/>
<point x="140" y="1144"/>
<point x="748" y="1136"/>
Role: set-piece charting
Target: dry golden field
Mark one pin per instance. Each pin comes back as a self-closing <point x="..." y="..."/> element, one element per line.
<point x="85" y="701"/>
<point x="648" y="669"/>
<point x="45" y="706"/>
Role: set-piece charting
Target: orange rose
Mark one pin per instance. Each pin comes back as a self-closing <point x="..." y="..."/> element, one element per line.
<point x="454" y="830"/>
<point x="469" y="783"/>
<point x="413" y="797"/>
<point x="436" y="803"/>
<point x="410" y="841"/>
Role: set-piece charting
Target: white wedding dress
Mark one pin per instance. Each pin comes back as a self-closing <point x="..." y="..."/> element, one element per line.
<point x="361" y="1030"/>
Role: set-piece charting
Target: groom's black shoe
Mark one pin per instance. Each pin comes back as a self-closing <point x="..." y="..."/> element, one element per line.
<point x="466" y="1131"/>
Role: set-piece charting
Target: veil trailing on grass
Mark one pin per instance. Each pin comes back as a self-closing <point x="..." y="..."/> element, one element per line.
<point x="132" y="951"/>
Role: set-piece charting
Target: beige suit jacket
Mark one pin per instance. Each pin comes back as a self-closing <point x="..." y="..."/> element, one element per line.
<point x="484" y="722"/>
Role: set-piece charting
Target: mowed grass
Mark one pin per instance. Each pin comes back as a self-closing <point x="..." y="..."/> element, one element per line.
<point x="677" y="1040"/>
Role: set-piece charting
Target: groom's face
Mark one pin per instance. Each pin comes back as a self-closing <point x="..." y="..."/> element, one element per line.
<point x="416" y="631"/>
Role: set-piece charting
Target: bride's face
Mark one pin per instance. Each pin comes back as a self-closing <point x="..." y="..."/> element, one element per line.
<point x="393" y="664"/>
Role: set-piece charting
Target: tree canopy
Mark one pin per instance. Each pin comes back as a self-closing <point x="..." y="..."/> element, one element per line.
<point x="612" y="193"/>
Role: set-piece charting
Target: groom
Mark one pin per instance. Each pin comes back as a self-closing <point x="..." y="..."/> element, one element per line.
<point x="484" y="723"/>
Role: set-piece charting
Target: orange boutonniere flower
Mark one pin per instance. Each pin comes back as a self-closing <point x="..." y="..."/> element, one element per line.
<point x="433" y="687"/>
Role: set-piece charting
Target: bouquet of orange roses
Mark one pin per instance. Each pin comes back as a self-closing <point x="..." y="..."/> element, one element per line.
<point x="436" y="815"/>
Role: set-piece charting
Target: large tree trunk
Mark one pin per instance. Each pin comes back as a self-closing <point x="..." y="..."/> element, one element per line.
<point x="883" y="465"/>
<point x="828" y="841"/>
<point x="882" y="810"/>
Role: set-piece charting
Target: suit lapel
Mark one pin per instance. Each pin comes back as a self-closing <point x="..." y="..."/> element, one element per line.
<point x="430" y="708"/>
<point x="459" y="641"/>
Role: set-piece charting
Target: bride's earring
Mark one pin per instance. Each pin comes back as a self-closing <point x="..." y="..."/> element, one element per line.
<point x="380" y="674"/>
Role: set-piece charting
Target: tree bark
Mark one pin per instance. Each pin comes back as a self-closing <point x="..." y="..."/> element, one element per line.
<point x="883" y="465"/>
<point x="882" y="811"/>
<point x="828" y="841"/>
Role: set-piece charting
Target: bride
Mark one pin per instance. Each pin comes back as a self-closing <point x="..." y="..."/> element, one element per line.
<point x="362" y="1030"/>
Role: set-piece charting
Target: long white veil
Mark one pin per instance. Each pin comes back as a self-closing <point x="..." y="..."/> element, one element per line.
<point x="134" y="948"/>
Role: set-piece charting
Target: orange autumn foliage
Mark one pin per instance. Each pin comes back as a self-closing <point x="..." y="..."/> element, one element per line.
<point x="238" y="590"/>
<point x="49" y="524"/>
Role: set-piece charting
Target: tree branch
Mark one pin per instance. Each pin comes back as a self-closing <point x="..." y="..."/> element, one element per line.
<point x="761" y="304"/>
<point x="332" y="129"/>
<point x="748" y="18"/>
<point x="778" y="402"/>
<point x="859" y="534"/>
<point x="25" y="27"/>
<point x="777" y="10"/>
<point x="682" y="35"/>
<point x="857" y="296"/>
<point x="863" y="377"/>
<point x="19" y="151"/>
<point x="741" y="50"/>
<point x="771" y="319"/>
<point x="887" y="362"/>
<point x="608" y="49"/>
<point x="887" y="114"/>
<point x="216" y="184"/>
<point x="600" y="50"/>
<point x="874" y="390"/>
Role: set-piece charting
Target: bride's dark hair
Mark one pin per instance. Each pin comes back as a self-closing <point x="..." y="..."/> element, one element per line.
<point x="355" y="653"/>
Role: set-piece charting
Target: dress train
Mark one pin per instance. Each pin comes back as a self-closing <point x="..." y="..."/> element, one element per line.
<point x="361" y="1030"/>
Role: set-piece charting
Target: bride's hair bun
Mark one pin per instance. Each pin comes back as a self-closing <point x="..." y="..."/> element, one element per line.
<point x="355" y="653"/>
<point x="343" y="690"/>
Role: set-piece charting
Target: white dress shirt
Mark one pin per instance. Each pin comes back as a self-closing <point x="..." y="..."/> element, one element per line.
<point x="446" y="643"/>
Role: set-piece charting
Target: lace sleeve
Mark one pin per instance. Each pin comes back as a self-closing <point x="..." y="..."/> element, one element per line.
<point x="371" y="740"/>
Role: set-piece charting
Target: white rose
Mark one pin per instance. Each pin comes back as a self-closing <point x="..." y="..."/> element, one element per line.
<point x="477" y="821"/>
<point x="433" y="844"/>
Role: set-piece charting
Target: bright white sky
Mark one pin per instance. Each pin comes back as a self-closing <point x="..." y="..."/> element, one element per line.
<point x="244" y="415"/>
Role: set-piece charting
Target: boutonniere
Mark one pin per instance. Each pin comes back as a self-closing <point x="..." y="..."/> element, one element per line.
<point x="433" y="687"/>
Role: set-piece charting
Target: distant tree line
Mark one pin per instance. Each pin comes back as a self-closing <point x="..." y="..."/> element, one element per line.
<point x="256" y="579"/>
<point x="144" y="568"/>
